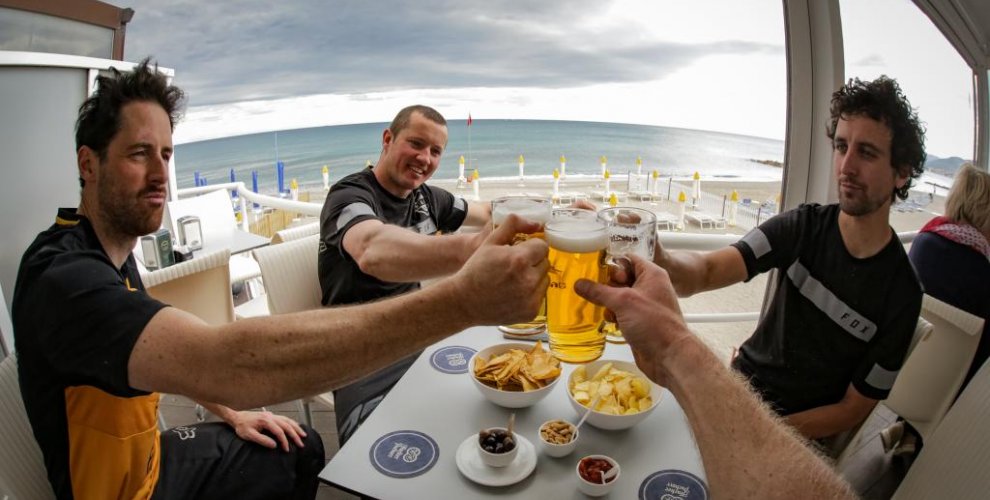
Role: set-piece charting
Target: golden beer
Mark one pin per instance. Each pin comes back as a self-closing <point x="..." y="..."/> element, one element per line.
<point x="534" y="209"/>
<point x="577" y="250"/>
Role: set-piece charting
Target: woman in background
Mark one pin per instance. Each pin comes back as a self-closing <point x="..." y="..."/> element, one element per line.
<point x="950" y="255"/>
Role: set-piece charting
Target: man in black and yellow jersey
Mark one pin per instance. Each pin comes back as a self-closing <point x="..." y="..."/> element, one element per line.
<point x="94" y="350"/>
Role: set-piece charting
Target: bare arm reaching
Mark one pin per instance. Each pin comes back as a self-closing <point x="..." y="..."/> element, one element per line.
<point x="250" y="363"/>
<point x="479" y="214"/>
<point x="746" y="451"/>
<point x="693" y="272"/>
<point x="398" y="255"/>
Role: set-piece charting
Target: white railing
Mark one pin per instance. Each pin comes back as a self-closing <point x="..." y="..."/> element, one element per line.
<point x="246" y="197"/>
<point x="670" y="240"/>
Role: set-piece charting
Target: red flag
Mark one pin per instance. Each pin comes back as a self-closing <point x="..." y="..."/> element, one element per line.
<point x="469" y="120"/>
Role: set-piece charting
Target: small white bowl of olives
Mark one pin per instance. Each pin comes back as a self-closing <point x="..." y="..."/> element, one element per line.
<point x="497" y="446"/>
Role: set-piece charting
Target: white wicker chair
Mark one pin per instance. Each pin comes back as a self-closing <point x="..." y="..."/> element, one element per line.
<point x="295" y="233"/>
<point x="932" y="375"/>
<point x="289" y="271"/>
<point x="22" y="467"/>
<point x="953" y="463"/>
<point x="200" y="286"/>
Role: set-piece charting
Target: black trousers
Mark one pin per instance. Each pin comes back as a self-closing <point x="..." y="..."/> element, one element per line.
<point x="209" y="461"/>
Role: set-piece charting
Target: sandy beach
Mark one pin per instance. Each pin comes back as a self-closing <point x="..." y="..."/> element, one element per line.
<point x="744" y="297"/>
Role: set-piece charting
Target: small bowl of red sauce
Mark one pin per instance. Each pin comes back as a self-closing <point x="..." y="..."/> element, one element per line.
<point x="597" y="474"/>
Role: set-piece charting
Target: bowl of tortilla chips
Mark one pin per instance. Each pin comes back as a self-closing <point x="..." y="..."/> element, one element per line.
<point x="514" y="375"/>
<point x="622" y="394"/>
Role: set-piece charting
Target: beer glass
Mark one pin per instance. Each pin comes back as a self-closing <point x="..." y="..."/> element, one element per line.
<point x="630" y="231"/>
<point x="535" y="209"/>
<point x="578" y="243"/>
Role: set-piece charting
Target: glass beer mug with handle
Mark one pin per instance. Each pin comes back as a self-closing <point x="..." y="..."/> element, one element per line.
<point x="630" y="231"/>
<point x="578" y="244"/>
<point x="532" y="208"/>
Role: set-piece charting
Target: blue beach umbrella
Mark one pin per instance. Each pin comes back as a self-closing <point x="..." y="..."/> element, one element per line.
<point x="254" y="183"/>
<point x="196" y="179"/>
<point x="233" y="178"/>
<point x="280" y="171"/>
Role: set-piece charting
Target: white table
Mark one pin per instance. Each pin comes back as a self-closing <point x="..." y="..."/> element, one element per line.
<point x="239" y="242"/>
<point x="448" y="408"/>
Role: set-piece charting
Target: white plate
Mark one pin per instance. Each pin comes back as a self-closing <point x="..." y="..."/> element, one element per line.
<point x="470" y="464"/>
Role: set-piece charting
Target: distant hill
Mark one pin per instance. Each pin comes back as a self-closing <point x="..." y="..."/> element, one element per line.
<point x="944" y="166"/>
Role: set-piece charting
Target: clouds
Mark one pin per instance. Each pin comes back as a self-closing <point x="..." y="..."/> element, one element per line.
<point x="226" y="52"/>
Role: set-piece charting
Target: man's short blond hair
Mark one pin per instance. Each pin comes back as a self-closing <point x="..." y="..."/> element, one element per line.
<point x="969" y="198"/>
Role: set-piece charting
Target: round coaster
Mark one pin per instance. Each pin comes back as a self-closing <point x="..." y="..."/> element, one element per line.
<point x="452" y="359"/>
<point x="404" y="454"/>
<point x="673" y="485"/>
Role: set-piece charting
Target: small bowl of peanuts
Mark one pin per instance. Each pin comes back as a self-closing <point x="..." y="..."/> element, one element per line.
<point x="558" y="438"/>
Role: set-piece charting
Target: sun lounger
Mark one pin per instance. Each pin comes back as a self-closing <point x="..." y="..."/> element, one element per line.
<point x="705" y="221"/>
<point x="605" y="195"/>
<point x="568" y="197"/>
<point x="644" y="196"/>
<point x="666" y="221"/>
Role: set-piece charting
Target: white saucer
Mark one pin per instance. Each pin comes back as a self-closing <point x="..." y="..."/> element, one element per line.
<point x="470" y="464"/>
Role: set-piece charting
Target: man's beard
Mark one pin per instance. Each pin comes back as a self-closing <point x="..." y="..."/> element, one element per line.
<point x="860" y="205"/>
<point x="126" y="215"/>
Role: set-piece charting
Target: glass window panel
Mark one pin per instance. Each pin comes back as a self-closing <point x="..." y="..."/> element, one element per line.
<point x="33" y="32"/>
<point x="910" y="49"/>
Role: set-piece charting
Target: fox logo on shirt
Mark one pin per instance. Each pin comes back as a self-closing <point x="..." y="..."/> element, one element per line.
<point x="185" y="432"/>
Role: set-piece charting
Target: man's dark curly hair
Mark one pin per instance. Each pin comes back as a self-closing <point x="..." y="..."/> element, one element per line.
<point x="883" y="101"/>
<point x="99" y="116"/>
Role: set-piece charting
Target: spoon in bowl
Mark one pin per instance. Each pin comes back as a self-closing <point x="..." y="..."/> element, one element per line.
<point x="610" y="474"/>
<point x="587" y="412"/>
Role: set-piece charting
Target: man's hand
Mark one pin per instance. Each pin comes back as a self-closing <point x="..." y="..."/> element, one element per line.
<point x="585" y="204"/>
<point x="646" y="309"/>
<point x="249" y="424"/>
<point x="504" y="283"/>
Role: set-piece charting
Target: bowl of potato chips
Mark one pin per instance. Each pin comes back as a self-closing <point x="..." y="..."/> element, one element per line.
<point x="514" y="375"/>
<point x="625" y="396"/>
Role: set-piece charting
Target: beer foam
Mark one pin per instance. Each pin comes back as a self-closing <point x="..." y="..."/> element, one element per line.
<point x="527" y="209"/>
<point x="577" y="236"/>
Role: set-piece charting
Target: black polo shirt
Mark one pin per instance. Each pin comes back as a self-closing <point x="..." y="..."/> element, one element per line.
<point x="77" y="318"/>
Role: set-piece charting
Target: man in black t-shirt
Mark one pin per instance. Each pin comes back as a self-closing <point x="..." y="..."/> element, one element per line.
<point x="94" y="350"/>
<point x="380" y="234"/>
<point x="847" y="300"/>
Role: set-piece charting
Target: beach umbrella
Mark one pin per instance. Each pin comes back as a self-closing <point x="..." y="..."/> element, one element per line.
<point x="476" y="185"/>
<point x="613" y="200"/>
<point x="681" y="201"/>
<point x="522" y="170"/>
<point x="639" y="165"/>
<point x="294" y="190"/>
<point x="696" y="190"/>
<point x="326" y="178"/>
<point x="460" y="171"/>
<point x="656" y="183"/>
<point x="604" y="165"/>
<point x="196" y="179"/>
<point x="254" y="183"/>
<point x="733" y="207"/>
<point x="556" y="185"/>
<point x="233" y="179"/>
<point x="280" y="173"/>
<point x="563" y="167"/>
<point x="608" y="182"/>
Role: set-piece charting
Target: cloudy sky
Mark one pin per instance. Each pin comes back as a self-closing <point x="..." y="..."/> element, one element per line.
<point x="257" y="65"/>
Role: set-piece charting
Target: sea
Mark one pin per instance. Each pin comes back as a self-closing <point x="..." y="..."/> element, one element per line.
<point x="492" y="147"/>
